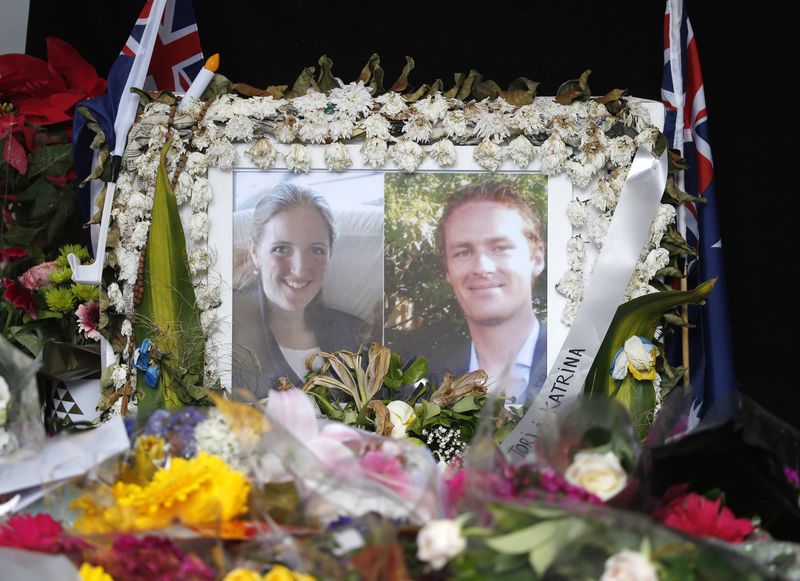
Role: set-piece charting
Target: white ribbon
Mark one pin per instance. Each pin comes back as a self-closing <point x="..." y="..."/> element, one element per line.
<point x="637" y="207"/>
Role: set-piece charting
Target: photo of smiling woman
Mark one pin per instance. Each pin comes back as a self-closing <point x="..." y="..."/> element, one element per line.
<point x="280" y="317"/>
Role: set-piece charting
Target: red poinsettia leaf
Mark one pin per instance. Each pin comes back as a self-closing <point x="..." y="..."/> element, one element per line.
<point x="15" y="155"/>
<point x="48" y="110"/>
<point x="22" y="75"/>
<point x="80" y="77"/>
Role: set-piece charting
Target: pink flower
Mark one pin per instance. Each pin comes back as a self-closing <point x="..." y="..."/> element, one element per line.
<point x="385" y="469"/>
<point x="150" y="558"/>
<point x="88" y="315"/>
<point x="19" y="296"/>
<point x="39" y="533"/>
<point x="38" y="276"/>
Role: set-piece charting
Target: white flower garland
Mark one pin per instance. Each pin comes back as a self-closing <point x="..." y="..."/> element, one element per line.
<point x="567" y="139"/>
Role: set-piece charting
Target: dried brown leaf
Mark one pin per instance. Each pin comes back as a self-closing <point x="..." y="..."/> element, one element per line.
<point x="304" y="82"/>
<point x="613" y="95"/>
<point x="383" y="422"/>
<point x="466" y="87"/>
<point x="485" y="89"/>
<point x="274" y="91"/>
<point x="366" y="73"/>
<point x="381" y="562"/>
<point x="325" y="81"/>
<point x="454" y="389"/>
<point x="453" y="91"/>
<point x="401" y="84"/>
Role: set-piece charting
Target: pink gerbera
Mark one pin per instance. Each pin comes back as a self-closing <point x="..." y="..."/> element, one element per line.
<point x="88" y="315"/>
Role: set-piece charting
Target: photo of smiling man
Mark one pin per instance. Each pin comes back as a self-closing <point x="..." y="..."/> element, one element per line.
<point x="489" y="245"/>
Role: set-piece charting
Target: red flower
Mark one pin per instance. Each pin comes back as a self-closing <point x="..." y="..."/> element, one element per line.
<point x="19" y="296"/>
<point x="10" y="253"/>
<point x="32" y="532"/>
<point x="45" y="92"/>
<point x="701" y="517"/>
<point x="13" y="152"/>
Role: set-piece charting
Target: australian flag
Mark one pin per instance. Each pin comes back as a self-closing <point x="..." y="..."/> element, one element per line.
<point x="686" y="129"/>
<point x="174" y="61"/>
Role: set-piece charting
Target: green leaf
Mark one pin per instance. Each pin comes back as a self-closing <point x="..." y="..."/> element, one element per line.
<point x="678" y="195"/>
<point x="303" y="83"/>
<point x="51" y="160"/>
<point x="168" y="313"/>
<point x="466" y="404"/>
<point x="677" y="321"/>
<point x="675" y="243"/>
<point x="416" y="371"/>
<point x="219" y="85"/>
<point x="528" y="538"/>
<point x="430" y="410"/>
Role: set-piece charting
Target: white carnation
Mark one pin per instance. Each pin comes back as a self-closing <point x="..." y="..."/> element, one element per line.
<point x="222" y="108"/>
<point x="604" y="195"/>
<point x="239" y="128"/>
<point x="198" y="226"/>
<point x="158" y="137"/>
<point x="377" y="126"/>
<point x="635" y="115"/>
<point x="571" y="285"/>
<point x="577" y="214"/>
<point x="665" y="216"/>
<point x="455" y="125"/>
<point x="392" y="103"/>
<point x="647" y="138"/>
<point x="115" y="297"/>
<point x="313" y="127"/>
<point x="521" y="151"/>
<point x="488" y="155"/>
<point x="262" y="153"/>
<point x="530" y="119"/>
<point x="262" y="107"/>
<point x="196" y="163"/>
<point x="443" y="152"/>
<point x="352" y="99"/>
<point x="311" y="102"/>
<point x="418" y="128"/>
<point x="201" y="195"/>
<point x="580" y="173"/>
<point x="657" y="259"/>
<point x="183" y="189"/>
<point x="621" y="150"/>
<point x="128" y="264"/>
<point x="140" y="232"/>
<point x="223" y="152"/>
<point x="576" y="251"/>
<point x="127" y="328"/>
<point x="598" y="228"/>
<point x="147" y="165"/>
<point x="337" y="158"/>
<point x="432" y="108"/>
<point x="119" y="375"/>
<point x="407" y="154"/>
<point x="553" y="154"/>
<point x="373" y="152"/>
<point x="341" y="126"/>
<point x="297" y="158"/>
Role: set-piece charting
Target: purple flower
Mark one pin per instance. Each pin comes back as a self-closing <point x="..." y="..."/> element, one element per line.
<point x="791" y="476"/>
<point x="176" y="428"/>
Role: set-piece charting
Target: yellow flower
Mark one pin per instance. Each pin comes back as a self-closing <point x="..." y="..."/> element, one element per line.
<point x="203" y="490"/>
<point x="242" y="575"/>
<point x="246" y="422"/>
<point x="89" y="573"/>
<point x="281" y="573"/>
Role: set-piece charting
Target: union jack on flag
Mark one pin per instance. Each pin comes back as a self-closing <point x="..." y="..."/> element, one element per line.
<point x="177" y="55"/>
<point x="686" y="129"/>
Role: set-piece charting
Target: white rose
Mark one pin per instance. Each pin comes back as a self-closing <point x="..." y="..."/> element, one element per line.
<point x="600" y="474"/>
<point x="401" y="415"/>
<point x="439" y="541"/>
<point x="629" y="565"/>
<point x="641" y="355"/>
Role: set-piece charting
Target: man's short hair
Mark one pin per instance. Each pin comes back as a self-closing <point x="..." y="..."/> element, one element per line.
<point x="491" y="191"/>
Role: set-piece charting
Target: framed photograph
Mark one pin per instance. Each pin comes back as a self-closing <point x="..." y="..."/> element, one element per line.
<point x="329" y="261"/>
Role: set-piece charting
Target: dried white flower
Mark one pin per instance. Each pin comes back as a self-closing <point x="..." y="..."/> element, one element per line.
<point x="286" y="129"/>
<point x="455" y="125"/>
<point x="313" y="127"/>
<point x="488" y="155"/>
<point x="352" y="99"/>
<point x="576" y="251"/>
<point x="262" y="153"/>
<point x="373" y="152"/>
<point x="196" y="163"/>
<point x="494" y="125"/>
<point x="222" y="108"/>
<point x="432" y="108"/>
<point x="199" y="261"/>
<point x="183" y="189"/>
<point x="571" y="285"/>
<point x="392" y="103"/>
<point x="598" y="228"/>
<point x="553" y="153"/>
<point x="223" y="152"/>
<point x="207" y="296"/>
<point x="604" y="195"/>
<point x="115" y="297"/>
<point x="377" y="126"/>
<point x="208" y="321"/>
<point x="239" y="128"/>
<point x="264" y="107"/>
<point x="647" y="138"/>
<point x="158" y="137"/>
<point x="337" y="158"/>
<point x="521" y="151"/>
<point x="665" y="216"/>
<point x="569" y="313"/>
<point x="147" y="165"/>
<point x="443" y="152"/>
<point x="201" y="195"/>
<point x="657" y="259"/>
<point x="418" y="128"/>
<point x="530" y="119"/>
<point x="140" y="232"/>
<point x="407" y="154"/>
<point x="128" y="264"/>
<point x="579" y="172"/>
<point x="567" y="126"/>
<point x="297" y="158"/>
<point x="621" y="150"/>
<point x="341" y="126"/>
<point x="309" y="103"/>
<point x="119" y="375"/>
<point x="635" y="115"/>
<point x="214" y="436"/>
<point x="577" y="214"/>
<point x="198" y="226"/>
<point x="127" y="328"/>
<point x="203" y="136"/>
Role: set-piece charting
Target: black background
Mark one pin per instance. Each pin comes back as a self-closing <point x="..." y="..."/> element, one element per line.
<point x="746" y="67"/>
